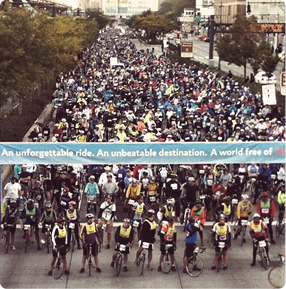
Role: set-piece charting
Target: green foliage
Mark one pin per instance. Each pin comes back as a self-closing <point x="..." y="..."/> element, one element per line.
<point x="241" y="44"/>
<point x="154" y="24"/>
<point x="269" y="62"/>
<point x="34" y="46"/>
<point x="256" y="61"/>
<point x="165" y="7"/>
<point x="99" y="17"/>
<point x="176" y="6"/>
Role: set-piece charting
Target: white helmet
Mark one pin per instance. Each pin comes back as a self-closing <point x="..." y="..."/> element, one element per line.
<point x="256" y="215"/>
<point x="171" y="201"/>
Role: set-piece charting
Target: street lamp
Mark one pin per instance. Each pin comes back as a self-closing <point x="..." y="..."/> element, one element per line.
<point x="248" y="10"/>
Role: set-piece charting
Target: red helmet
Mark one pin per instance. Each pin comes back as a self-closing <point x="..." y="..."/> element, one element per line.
<point x="66" y="189"/>
<point x="73" y="203"/>
<point x="59" y="220"/>
<point x="263" y="194"/>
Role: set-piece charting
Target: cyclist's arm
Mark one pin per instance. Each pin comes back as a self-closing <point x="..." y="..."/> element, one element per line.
<point x="96" y="190"/>
<point x="272" y="208"/>
<point x="53" y="236"/>
<point x="42" y="219"/>
<point x="116" y="235"/>
<point x="238" y="210"/>
<point x="86" y="188"/>
<point x="279" y="199"/>
<point x="5" y="220"/>
<point x="128" y="191"/>
<point x="251" y="207"/>
<point x="4" y="193"/>
<point x="131" y="236"/>
<point x="78" y="216"/>
<point x="259" y="208"/>
<point x="83" y="228"/>
<point x="23" y="215"/>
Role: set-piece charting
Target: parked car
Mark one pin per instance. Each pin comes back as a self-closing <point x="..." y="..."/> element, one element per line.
<point x="262" y="78"/>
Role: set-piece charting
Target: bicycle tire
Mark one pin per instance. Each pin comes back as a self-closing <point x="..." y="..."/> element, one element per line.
<point x="263" y="259"/>
<point x="143" y="261"/>
<point x="58" y="269"/>
<point x="89" y="265"/>
<point x="166" y="263"/>
<point x="7" y="243"/>
<point x="73" y="240"/>
<point x="118" y="264"/>
<point x="243" y="235"/>
<point x="218" y="265"/>
<point x="190" y="266"/>
<point x="276" y="277"/>
<point x="26" y="242"/>
<point x="212" y="240"/>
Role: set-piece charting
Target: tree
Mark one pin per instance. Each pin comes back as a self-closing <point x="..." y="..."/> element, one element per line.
<point x="165" y="7"/>
<point x="269" y="63"/>
<point x="99" y="17"/>
<point x="180" y="5"/>
<point x="154" y="24"/>
<point x="240" y="44"/>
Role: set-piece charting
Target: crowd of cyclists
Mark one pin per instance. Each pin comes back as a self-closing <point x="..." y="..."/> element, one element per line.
<point x="153" y="198"/>
<point x="146" y="97"/>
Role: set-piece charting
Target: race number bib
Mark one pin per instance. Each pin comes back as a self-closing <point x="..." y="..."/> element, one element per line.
<point x="222" y="238"/>
<point x="265" y="211"/>
<point x="174" y="186"/>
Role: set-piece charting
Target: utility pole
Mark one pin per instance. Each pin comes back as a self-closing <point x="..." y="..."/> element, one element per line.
<point x="211" y="47"/>
<point x="220" y="31"/>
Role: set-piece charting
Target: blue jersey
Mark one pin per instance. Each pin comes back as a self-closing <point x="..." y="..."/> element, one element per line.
<point x="192" y="235"/>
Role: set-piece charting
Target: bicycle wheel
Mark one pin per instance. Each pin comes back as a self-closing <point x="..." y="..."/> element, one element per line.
<point x="195" y="266"/>
<point x="118" y="264"/>
<point x="243" y="235"/>
<point x="7" y="242"/>
<point x="212" y="240"/>
<point x="276" y="277"/>
<point x="89" y="265"/>
<point x="263" y="259"/>
<point x="218" y="265"/>
<point x="27" y="237"/>
<point x="166" y="263"/>
<point x="58" y="268"/>
<point x="143" y="261"/>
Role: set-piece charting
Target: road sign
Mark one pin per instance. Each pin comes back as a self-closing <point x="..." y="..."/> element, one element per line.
<point x="186" y="49"/>
<point x="269" y="94"/>
<point x="283" y="83"/>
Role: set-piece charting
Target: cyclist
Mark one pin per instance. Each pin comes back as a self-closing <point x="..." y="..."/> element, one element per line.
<point x="244" y="209"/>
<point x="10" y="218"/>
<point x="281" y="201"/>
<point x="173" y="191"/>
<point x="266" y="209"/>
<point x="222" y="233"/>
<point x="199" y="213"/>
<point x="25" y="177"/>
<point x="106" y="215"/>
<point x="258" y="232"/>
<point x="62" y="182"/>
<point x="225" y="177"/>
<point x="225" y="208"/>
<point x="121" y="174"/>
<point x="12" y="189"/>
<point x="91" y="189"/>
<point x="48" y="217"/>
<point x="123" y="236"/>
<point x="189" y="193"/>
<point x="138" y="210"/>
<point x="73" y="216"/>
<point x="192" y="228"/>
<point x="168" y="209"/>
<point x="152" y="193"/>
<point x="32" y="215"/>
<point x="65" y="199"/>
<point x="127" y="179"/>
<point x="233" y="189"/>
<point x="110" y="187"/>
<point x="168" y="235"/>
<point x="147" y="235"/>
<point x="60" y="240"/>
<point x="133" y="191"/>
<point x="217" y="188"/>
<point x="48" y="184"/>
<point x="38" y="195"/>
<point x="90" y="235"/>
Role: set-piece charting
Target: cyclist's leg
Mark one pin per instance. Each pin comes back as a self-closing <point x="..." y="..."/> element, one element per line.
<point x="12" y="231"/>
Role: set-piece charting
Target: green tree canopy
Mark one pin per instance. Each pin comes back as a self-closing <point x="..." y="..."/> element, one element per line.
<point x="241" y="44"/>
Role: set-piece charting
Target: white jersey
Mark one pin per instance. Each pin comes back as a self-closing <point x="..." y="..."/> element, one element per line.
<point x="12" y="190"/>
<point x="107" y="212"/>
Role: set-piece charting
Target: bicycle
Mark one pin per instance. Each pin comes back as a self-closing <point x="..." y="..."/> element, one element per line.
<point x="195" y="262"/>
<point x="244" y="224"/>
<point x="166" y="261"/>
<point x="118" y="261"/>
<point x="89" y="259"/>
<point x="251" y="187"/>
<point x="221" y="246"/>
<point x="101" y="233"/>
<point x="262" y="253"/>
<point x="130" y="206"/>
<point x="48" y="236"/>
<point x="187" y="213"/>
<point x="58" y="267"/>
<point x="142" y="259"/>
<point x="234" y="203"/>
<point x="7" y="242"/>
<point x="212" y="238"/>
<point x="72" y="226"/>
<point x="276" y="275"/>
<point x="91" y="201"/>
<point x="28" y="234"/>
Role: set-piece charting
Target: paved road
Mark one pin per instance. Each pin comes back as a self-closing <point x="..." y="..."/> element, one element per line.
<point x="29" y="270"/>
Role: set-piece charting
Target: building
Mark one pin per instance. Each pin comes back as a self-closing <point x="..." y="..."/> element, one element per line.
<point x="225" y="10"/>
<point x="89" y="4"/>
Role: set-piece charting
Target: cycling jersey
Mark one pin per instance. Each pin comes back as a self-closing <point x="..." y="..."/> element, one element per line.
<point x="199" y="214"/>
<point x="281" y="198"/>
<point x="139" y="209"/>
<point x="258" y="229"/>
<point x="91" y="189"/>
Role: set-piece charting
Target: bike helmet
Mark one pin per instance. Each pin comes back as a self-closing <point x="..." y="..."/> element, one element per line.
<point x="245" y="196"/>
<point x="169" y="219"/>
<point x="73" y="203"/>
<point x="153" y="179"/>
<point x="30" y="201"/>
<point x="171" y="201"/>
<point x="191" y="220"/>
<point x="256" y="215"/>
<point x="92" y="178"/>
<point x="89" y="216"/>
<point x="151" y="213"/>
<point x="263" y="194"/>
<point x="13" y="203"/>
<point x="191" y="179"/>
<point x="13" y="178"/>
<point x="60" y="220"/>
<point x="48" y="205"/>
<point x="227" y="198"/>
<point x="134" y="180"/>
<point x="126" y="220"/>
<point x="221" y="216"/>
<point x="174" y="175"/>
<point x="66" y="190"/>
